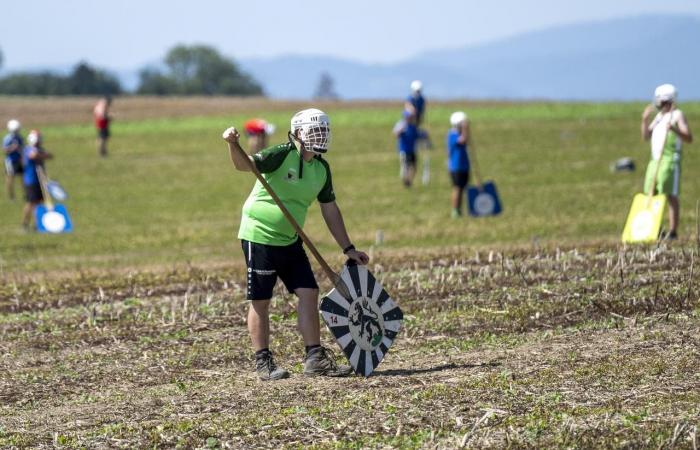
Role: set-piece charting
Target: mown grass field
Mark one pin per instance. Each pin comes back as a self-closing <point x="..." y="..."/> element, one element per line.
<point x="532" y="329"/>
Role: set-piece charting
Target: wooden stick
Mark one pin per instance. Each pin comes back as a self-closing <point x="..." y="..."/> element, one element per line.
<point x="44" y="190"/>
<point x="332" y="276"/>
<point x="697" y="226"/>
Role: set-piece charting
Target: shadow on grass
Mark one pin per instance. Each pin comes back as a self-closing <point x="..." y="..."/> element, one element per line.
<point x="404" y="372"/>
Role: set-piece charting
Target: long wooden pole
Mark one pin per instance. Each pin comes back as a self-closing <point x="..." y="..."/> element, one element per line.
<point x="44" y="190"/>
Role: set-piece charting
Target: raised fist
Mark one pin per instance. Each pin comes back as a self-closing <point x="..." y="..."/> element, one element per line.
<point x="231" y="135"/>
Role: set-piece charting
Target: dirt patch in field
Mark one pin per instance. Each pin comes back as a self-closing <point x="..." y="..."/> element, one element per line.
<point x="76" y="110"/>
<point x="577" y="348"/>
<point x="42" y="111"/>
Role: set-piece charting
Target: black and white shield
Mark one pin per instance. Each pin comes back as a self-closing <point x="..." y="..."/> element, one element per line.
<point x="364" y="325"/>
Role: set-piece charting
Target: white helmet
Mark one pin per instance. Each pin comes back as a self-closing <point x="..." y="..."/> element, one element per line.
<point x="34" y="137"/>
<point x="457" y="118"/>
<point x="13" y="125"/>
<point x="315" y="129"/>
<point x="416" y="86"/>
<point x="665" y="93"/>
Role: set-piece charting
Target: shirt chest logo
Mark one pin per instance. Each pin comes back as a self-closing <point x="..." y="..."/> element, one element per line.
<point x="292" y="176"/>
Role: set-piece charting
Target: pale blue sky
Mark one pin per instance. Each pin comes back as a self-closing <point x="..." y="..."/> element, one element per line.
<point x="126" y="34"/>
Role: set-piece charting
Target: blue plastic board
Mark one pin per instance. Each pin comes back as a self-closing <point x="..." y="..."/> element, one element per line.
<point x="54" y="220"/>
<point x="483" y="201"/>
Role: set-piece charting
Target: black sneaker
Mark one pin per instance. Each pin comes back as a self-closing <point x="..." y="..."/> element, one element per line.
<point x="267" y="369"/>
<point x="321" y="361"/>
<point x="668" y="235"/>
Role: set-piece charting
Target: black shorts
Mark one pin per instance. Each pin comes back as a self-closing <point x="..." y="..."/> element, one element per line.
<point x="460" y="179"/>
<point x="33" y="194"/>
<point x="407" y="159"/>
<point x="13" y="167"/>
<point x="267" y="262"/>
<point x="103" y="133"/>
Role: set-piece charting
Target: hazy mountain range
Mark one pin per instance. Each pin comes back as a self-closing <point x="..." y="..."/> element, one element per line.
<point x="621" y="59"/>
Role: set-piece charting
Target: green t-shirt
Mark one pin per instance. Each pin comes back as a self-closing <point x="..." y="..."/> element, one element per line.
<point x="296" y="182"/>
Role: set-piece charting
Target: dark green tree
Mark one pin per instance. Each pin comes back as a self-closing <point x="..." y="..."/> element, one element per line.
<point x="155" y="83"/>
<point x="198" y="70"/>
<point x="43" y="83"/>
<point x="86" y="80"/>
<point x="83" y="80"/>
<point x="325" y="90"/>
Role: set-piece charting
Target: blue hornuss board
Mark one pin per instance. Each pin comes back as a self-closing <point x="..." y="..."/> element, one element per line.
<point x="53" y="220"/>
<point x="483" y="201"/>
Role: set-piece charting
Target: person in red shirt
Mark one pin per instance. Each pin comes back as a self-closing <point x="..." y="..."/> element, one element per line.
<point x="257" y="131"/>
<point x="102" y="119"/>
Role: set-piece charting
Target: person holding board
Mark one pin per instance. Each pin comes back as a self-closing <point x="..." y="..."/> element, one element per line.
<point x="297" y="174"/>
<point x="669" y="122"/>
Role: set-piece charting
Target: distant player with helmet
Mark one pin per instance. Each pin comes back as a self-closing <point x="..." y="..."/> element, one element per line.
<point x="33" y="155"/>
<point x="415" y="102"/>
<point x="298" y="174"/>
<point x="669" y="159"/>
<point x="258" y="131"/>
<point x="102" y="122"/>
<point x="407" y="136"/>
<point x="458" y="139"/>
<point x="13" y="145"/>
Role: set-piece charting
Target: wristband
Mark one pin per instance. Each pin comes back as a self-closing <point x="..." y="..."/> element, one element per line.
<point x="348" y="248"/>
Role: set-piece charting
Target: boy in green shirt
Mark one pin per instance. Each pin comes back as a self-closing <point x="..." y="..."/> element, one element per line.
<point x="670" y="124"/>
<point x="298" y="175"/>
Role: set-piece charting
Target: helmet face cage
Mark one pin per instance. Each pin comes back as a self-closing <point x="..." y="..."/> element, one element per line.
<point x="662" y="101"/>
<point x="34" y="138"/>
<point x="316" y="137"/>
<point x="314" y="130"/>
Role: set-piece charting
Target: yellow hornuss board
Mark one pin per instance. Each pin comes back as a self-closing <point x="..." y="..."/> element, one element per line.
<point x="644" y="220"/>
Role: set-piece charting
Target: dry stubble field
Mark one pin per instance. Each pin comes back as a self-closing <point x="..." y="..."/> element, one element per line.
<point x="534" y="348"/>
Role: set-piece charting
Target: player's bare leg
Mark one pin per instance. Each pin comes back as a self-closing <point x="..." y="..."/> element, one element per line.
<point x="456" y="201"/>
<point x="259" y="323"/>
<point x="307" y="316"/>
<point x="102" y="147"/>
<point x="319" y="360"/>
<point x="10" y="186"/>
<point x="673" y="215"/>
<point x="27" y="215"/>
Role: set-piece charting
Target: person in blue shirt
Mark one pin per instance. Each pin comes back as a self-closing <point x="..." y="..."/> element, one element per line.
<point x="12" y="144"/>
<point x="408" y="134"/>
<point x="33" y="156"/>
<point x="458" y="139"/>
<point x="415" y="102"/>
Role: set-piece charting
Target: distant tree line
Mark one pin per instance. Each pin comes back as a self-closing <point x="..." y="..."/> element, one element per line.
<point x="197" y="70"/>
<point x="83" y="80"/>
<point x="189" y="70"/>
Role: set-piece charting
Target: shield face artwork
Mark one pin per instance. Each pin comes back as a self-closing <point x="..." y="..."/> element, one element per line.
<point x="644" y="220"/>
<point x="364" y="325"/>
<point x="483" y="201"/>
